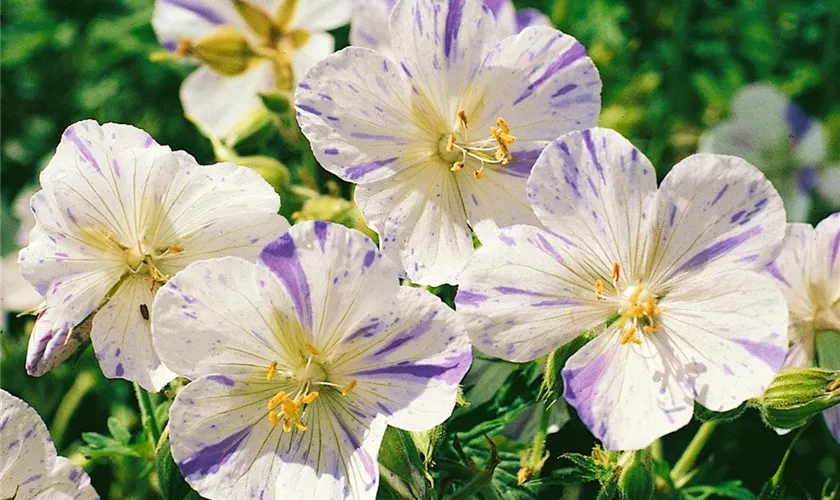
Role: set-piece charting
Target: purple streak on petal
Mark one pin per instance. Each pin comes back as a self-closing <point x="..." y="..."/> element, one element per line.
<point x="70" y="135"/>
<point x="774" y="271"/>
<point x="451" y="372"/>
<point x="331" y="151"/>
<point x="363" y="331"/>
<point x="4" y="423"/>
<point x="453" y="25"/>
<point x="530" y="17"/>
<point x="281" y="257"/>
<point x="495" y="5"/>
<point x="590" y="146"/>
<point x="522" y="164"/>
<point x="798" y="122"/>
<point x="221" y="379"/>
<point x="720" y="194"/>
<point x="354" y="172"/>
<point x="509" y="290"/>
<point x="468" y="298"/>
<point x="210" y="459"/>
<point x="835" y="246"/>
<point x="199" y="8"/>
<point x="309" y="109"/>
<point x="579" y="386"/>
<point x="115" y="167"/>
<point x="568" y="57"/>
<point x="770" y="354"/>
<point x="369" y="257"/>
<point x="119" y="370"/>
<point x="321" y="233"/>
<point x="720" y="248"/>
<point x="565" y="89"/>
<point x="556" y="302"/>
<point x="548" y="247"/>
<point x="412" y="333"/>
<point x="367" y="462"/>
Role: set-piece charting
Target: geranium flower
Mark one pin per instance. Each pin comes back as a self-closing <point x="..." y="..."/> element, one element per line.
<point x="441" y="139"/>
<point x="668" y="278"/>
<point x="118" y="214"/>
<point x="299" y="362"/>
<point x="772" y="132"/>
<point x="808" y="272"/>
<point x="29" y="467"/>
<point x="18" y="294"/>
<point x="370" y="16"/>
<point x="245" y="47"/>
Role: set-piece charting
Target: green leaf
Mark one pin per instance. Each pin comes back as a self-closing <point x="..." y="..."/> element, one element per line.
<point x="587" y="468"/>
<point x="706" y="415"/>
<point x="730" y="489"/>
<point x="172" y="483"/>
<point x="99" y="446"/>
<point x="552" y="387"/>
<point x="399" y="455"/>
<point x="119" y="432"/>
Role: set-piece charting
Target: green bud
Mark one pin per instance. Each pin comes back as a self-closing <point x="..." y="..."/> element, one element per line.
<point x="274" y="172"/>
<point x="333" y="209"/>
<point x="552" y="386"/>
<point x="225" y="50"/>
<point x="278" y="102"/>
<point x="797" y="394"/>
<point x="636" y="481"/>
<point x="258" y="19"/>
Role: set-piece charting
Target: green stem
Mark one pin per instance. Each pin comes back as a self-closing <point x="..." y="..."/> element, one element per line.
<point x="477" y="483"/>
<point x="689" y="456"/>
<point x="147" y="413"/>
<point x="84" y="382"/>
<point x="539" y="439"/>
<point x="656" y="450"/>
<point x="777" y="477"/>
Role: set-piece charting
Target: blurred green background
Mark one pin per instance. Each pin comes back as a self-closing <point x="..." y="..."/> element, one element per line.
<point x="669" y="71"/>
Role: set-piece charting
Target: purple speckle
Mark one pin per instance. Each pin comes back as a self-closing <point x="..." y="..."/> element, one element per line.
<point x="369" y="256"/>
<point x="221" y="379"/>
<point x="309" y="109"/>
<point x="357" y="171"/>
<point x="119" y="370"/>
<point x="210" y="459"/>
<point x="718" y="249"/>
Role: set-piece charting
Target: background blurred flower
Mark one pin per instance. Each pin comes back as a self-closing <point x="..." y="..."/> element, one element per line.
<point x="773" y="133"/>
<point x="18" y="294"/>
<point x="245" y="47"/>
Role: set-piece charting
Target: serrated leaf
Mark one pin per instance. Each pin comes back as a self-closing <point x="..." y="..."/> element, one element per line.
<point x="118" y="432"/>
<point x="99" y="446"/>
<point x="588" y="469"/>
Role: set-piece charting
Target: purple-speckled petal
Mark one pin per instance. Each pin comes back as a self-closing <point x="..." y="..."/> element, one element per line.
<point x="26" y="447"/>
<point x="50" y="346"/>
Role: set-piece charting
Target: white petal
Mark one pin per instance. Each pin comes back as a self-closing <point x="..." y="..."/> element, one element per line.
<point x="828" y="184"/>
<point x="792" y="271"/>
<point x="18" y="294"/>
<point x="526" y="294"/>
<point x="321" y="15"/>
<point x="122" y="337"/>
<point x="825" y="273"/>
<point x="327" y="274"/>
<point x="317" y="47"/>
<point x="66" y="481"/>
<point x="593" y="187"/>
<point x="366" y="28"/>
<point x="214" y="211"/>
<point x="727" y="335"/>
<point x="354" y="108"/>
<point x="762" y="104"/>
<point x="628" y="395"/>
<point x="50" y="346"/>
<point x="210" y="318"/>
<point x="26" y="219"/>
<point x="219" y="102"/>
<point x="419" y="215"/>
<point x="222" y="440"/>
<point x="714" y="214"/>
<point x="441" y="46"/>
<point x="542" y="83"/>
<point x="27" y="453"/>
<point x="410" y="364"/>
<point x="192" y="19"/>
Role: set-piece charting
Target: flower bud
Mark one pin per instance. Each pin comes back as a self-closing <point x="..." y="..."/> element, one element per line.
<point x="636" y="481"/>
<point x="51" y="344"/>
<point x="333" y="209"/>
<point x="225" y="50"/>
<point x="257" y="19"/>
<point x="797" y="394"/>
<point x="274" y="172"/>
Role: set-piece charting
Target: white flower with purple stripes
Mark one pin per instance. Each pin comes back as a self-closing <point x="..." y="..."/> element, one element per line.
<point x="441" y="138"/>
<point x="369" y="17"/>
<point x="29" y="467"/>
<point x="298" y="364"/>
<point x="808" y="272"/>
<point x="117" y="215"/>
<point x="773" y="133"/>
<point x="246" y="47"/>
<point x="668" y="279"/>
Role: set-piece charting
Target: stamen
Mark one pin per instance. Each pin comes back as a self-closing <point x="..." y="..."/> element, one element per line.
<point x="599" y="289"/>
<point x="312" y="396"/>
<point x="311" y="348"/>
<point x="276" y="400"/>
<point x="347" y="390"/>
<point x="458" y="165"/>
<point x="300" y="426"/>
<point x="478" y="174"/>
<point x="462" y="119"/>
<point x="503" y="125"/>
<point x="636" y="294"/>
<point x="616" y="273"/>
<point x="272" y="370"/>
<point x="175" y="249"/>
<point x="290" y="409"/>
<point x="651" y="328"/>
<point x="287" y="426"/>
<point x="629" y="335"/>
<point x="273" y="417"/>
<point x="450" y="144"/>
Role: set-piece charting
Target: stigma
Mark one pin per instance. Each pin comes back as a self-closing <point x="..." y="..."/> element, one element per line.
<point x="493" y="150"/>
<point x="638" y="307"/>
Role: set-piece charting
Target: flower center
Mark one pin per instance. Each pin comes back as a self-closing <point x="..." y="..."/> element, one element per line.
<point x="289" y="407"/>
<point x="457" y="147"/>
<point x="638" y="307"/>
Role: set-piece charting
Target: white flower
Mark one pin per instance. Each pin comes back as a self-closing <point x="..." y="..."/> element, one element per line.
<point x="773" y="133"/>
<point x="668" y="278"/>
<point x="117" y="215"/>
<point x="441" y="138"/>
<point x="18" y="294"/>
<point x="29" y="467"/>
<point x="808" y="272"/>
<point x="371" y="15"/>
<point x="299" y="362"/>
<point x="246" y="47"/>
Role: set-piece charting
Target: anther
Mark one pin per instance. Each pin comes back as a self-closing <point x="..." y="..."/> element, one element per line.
<point x="629" y="335"/>
<point x="175" y="249"/>
<point x="272" y="370"/>
<point x="273" y="417"/>
<point x="616" y="273"/>
<point x="450" y="143"/>
<point x="652" y="328"/>
<point x="300" y="426"/>
<point x="462" y="118"/>
<point x="457" y="166"/>
<point x="636" y="294"/>
<point x="276" y="400"/>
<point x="478" y="174"/>
<point x="503" y="125"/>
<point x="311" y="348"/>
<point x="349" y="388"/>
<point x="312" y="396"/>
<point x="599" y="289"/>
<point x="287" y="426"/>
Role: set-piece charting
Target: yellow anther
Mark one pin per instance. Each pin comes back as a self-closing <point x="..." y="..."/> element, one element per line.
<point x="300" y="426"/>
<point x="478" y="174"/>
<point x="347" y="390"/>
<point x="458" y="165"/>
<point x="506" y="159"/>
<point x="184" y="47"/>
<point x="503" y="125"/>
<point x="311" y="348"/>
<point x="312" y="396"/>
<point x="652" y="328"/>
<point x="287" y="426"/>
<point x="636" y="294"/>
<point x="276" y="400"/>
<point x="629" y="335"/>
<point x="272" y="370"/>
<point x="599" y="289"/>
<point x="636" y="311"/>
<point x="175" y="249"/>
<point x="450" y="143"/>
<point x="273" y="417"/>
<point x="462" y="118"/>
<point x="616" y="273"/>
<point x="290" y="409"/>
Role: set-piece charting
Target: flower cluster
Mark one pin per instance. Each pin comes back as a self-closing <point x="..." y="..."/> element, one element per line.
<point x="463" y="120"/>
